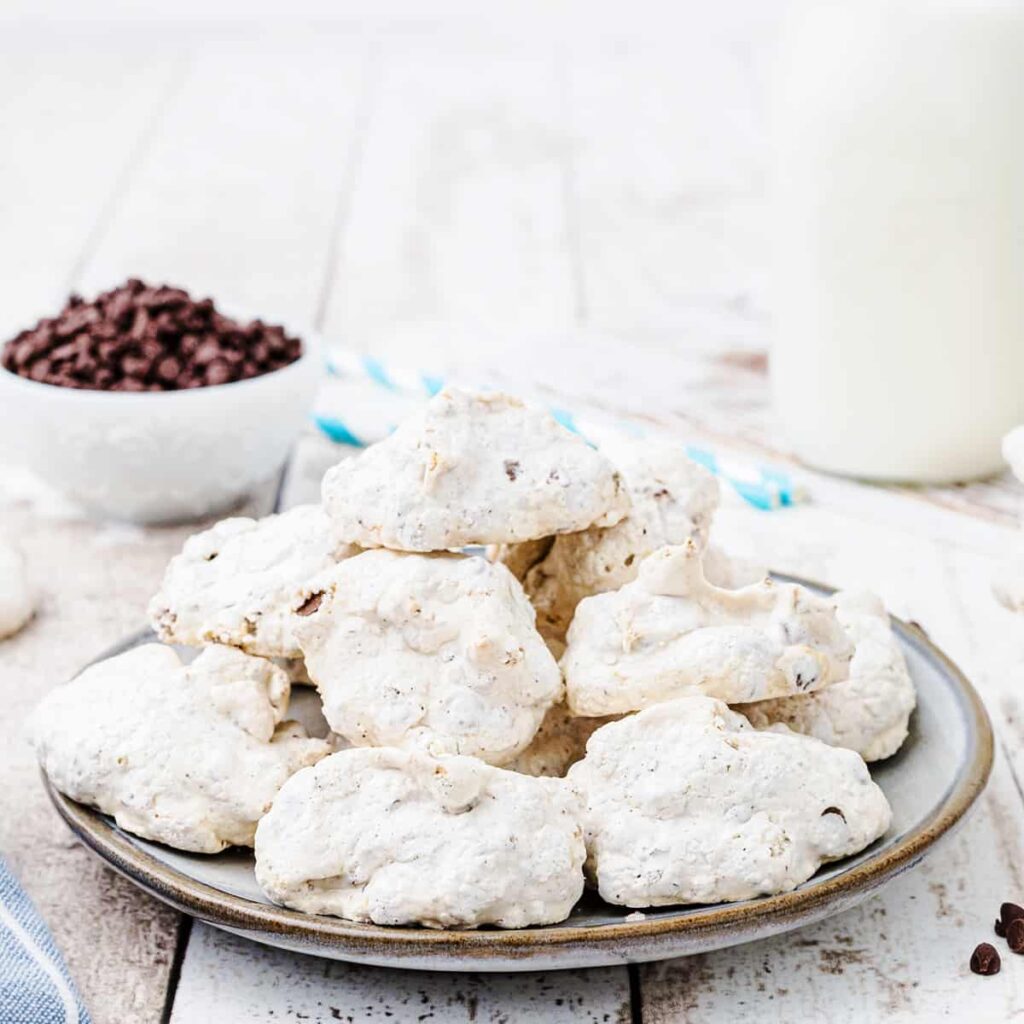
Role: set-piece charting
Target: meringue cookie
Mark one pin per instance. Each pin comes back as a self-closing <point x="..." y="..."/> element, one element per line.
<point x="472" y="469"/>
<point x="870" y="711"/>
<point x="395" y="837"/>
<point x="238" y="582"/>
<point x="438" y="652"/>
<point x="670" y="633"/>
<point x="187" y="755"/>
<point x="687" y="803"/>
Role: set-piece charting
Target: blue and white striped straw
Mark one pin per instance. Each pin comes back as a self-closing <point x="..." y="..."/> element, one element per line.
<point x="763" y="486"/>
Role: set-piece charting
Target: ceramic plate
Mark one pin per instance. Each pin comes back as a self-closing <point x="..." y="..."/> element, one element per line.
<point x="931" y="783"/>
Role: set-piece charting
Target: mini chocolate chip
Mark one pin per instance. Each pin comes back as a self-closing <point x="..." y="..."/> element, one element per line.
<point x="168" y="369"/>
<point x="985" y="959"/>
<point x="85" y="364"/>
<point x="833" y="810"/>
<point x="310" y="605"/>
<point x="1015" y="935"/>
<point x="66" y="351"/>
<point x="511" y="469"/>
<point x="1009" y="912"/>
<point x="156" y="336"/>
<point x="207" y="352"/>
<point x="151" y="348"/>
<point x="218" y="372"/>
<point x="135" y="366"/>
<point x="140" y="325"/>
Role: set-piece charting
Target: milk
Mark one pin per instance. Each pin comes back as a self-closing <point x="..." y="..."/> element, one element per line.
<point x="899" y="130"/>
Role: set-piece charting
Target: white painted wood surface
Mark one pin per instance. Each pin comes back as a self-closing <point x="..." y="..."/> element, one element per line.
<point x="233" y="981"/>
<point x="578" y="212"/>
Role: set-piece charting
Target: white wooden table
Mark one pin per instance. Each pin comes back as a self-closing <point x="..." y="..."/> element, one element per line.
<point x="581" y="208"/>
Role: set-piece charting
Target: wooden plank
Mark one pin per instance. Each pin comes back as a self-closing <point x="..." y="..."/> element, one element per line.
<point x="903" y="955"/>
<point x="94" y="586"/>
<point x="72" y="131"/>
<point x="463" y="125"/>
<point x="450" y="147"/>
<point x="456" y="243"/>
<point x="233" y="981"/>
<point x="236" y="196"/>
<point x="233" y="195"/>
<point x="93" y="582"/>
<point x="669" y="168"/>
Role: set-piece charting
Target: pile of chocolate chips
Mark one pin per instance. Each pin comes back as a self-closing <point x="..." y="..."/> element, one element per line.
<point x="1010" y="926"/>
<point x="143" y="338"/>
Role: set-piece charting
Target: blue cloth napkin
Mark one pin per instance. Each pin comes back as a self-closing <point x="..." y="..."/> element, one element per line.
<point x="35" y="987"/>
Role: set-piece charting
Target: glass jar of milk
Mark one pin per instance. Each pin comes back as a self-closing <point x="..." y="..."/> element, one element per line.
<point x="899" y="129"/>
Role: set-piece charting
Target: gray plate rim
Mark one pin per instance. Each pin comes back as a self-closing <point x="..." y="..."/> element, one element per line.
<point x="375" y="943"/>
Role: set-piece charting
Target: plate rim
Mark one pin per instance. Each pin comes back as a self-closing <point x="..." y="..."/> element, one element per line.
<point x="772" y="913"/>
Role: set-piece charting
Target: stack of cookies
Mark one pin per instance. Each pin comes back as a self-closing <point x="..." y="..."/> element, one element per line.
<point x="535" y="670"/>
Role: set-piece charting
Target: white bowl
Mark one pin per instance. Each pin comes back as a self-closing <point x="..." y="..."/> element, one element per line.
<point x="164" y="456"/>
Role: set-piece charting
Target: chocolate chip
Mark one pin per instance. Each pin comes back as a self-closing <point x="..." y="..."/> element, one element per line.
<point x="1009" y="912"/>
<point x="218" y="372"/>
<point x="833" y="810"/>
<point x="512" y="469"/>
<point x="310" y="605"/>
<point x="1000" y="929"/>
<point x="985" y="959"/>
<point x="168" y="369"/>
<point x="139" y="337"/>
<point x="135" y="366"/>
<point x="1015" y="935"/>
<point x="207" y="352"/>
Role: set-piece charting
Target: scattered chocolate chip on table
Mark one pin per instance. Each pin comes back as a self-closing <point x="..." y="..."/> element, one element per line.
<point x="1009" y="912"/>
<point x="1015" y="935"/>
<point x="985" y="959"/>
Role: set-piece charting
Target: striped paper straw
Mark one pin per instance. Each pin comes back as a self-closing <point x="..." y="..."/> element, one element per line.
<point x="763" y="486"/>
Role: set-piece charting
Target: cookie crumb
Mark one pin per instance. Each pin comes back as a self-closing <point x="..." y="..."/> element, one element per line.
<point x="637" y="915"/>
